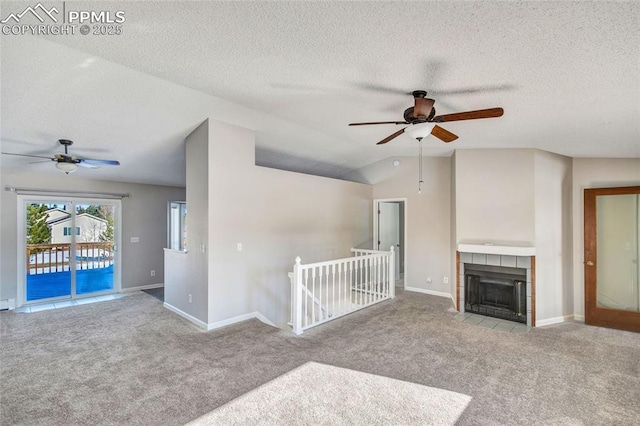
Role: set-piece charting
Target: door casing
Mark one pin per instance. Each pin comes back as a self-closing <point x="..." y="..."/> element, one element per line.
<point x="23" y="200"/>
<point x="595" y="315"/>
<point x="405" y="234"/>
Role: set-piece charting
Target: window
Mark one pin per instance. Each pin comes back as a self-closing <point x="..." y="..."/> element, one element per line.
<point x="67" y="231"/>
<point x="177" y="225"/>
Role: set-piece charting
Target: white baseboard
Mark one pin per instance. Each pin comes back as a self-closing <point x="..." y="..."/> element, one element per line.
<point x="141" y="287"/>
<point x="208" y="327"/>
<point x="9" y="304"/>
<point x="431" y="292"/>
<point x="185" y="315"/>
<point x="257" y="315"/>
<point x="555" y="320"/>
<point x="579" y="318"/>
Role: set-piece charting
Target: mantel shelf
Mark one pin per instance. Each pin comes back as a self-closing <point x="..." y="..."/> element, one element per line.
<point x="497" y="249"/>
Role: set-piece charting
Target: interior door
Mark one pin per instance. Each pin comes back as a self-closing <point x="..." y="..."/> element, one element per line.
<point x="389" y="230"/>
<point x="612" y="274"/>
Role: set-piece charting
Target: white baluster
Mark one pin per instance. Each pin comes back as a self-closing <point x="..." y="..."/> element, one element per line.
<point x="313" y="295"/>
<point x="392" y="273"/>
<point x="297" y="297"/>
<point x="350" y="266"/>
<point x="306" y="297"/>
<point x="333" y="288"/>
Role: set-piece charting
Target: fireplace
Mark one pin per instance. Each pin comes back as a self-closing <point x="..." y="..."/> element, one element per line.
<point x="496" y="291"/>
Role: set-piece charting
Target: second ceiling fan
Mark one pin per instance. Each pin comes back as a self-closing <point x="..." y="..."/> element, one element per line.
<point x="421" y="118"/>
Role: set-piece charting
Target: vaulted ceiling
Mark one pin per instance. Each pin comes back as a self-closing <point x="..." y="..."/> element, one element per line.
<point x="566" y="73"/>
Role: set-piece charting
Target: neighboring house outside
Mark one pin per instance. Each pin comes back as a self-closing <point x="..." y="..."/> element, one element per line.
<point x="88" y="228"/>
<point x="55" y="214"/>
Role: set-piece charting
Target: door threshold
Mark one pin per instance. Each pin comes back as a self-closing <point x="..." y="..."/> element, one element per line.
<point x="38" y="307"/>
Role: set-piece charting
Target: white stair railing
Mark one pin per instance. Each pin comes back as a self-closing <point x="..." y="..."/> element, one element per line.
<point x="324" y="291"/>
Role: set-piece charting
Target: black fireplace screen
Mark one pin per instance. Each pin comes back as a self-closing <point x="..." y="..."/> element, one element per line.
<point x="496" y="294"/>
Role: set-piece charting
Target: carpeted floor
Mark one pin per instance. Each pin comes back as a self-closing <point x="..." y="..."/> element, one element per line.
<point x="131" y="361"/>
<point x="320" y="394"/>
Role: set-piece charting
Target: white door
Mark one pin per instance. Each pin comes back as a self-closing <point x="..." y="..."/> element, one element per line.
<point x="389" y="230"/>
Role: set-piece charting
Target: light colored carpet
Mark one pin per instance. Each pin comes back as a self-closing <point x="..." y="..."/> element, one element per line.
<point x="133" y="362"/>
<point x="318" y="394"/>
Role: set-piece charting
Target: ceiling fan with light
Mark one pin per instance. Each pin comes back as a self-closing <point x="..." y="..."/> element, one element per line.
<point x="69" y="163"/>
<point x="422" y="122"/>
<point x="422" y="119"/>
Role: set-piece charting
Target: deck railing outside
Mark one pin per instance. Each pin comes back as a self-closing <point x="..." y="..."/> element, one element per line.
<point x="50" y="258"/>
<point x="324" y="291"/>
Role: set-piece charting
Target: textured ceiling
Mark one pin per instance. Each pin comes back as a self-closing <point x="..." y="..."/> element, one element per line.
<point x="566" y="73"/>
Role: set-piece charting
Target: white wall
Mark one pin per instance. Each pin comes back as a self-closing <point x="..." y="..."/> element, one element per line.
<point x="553" y="232"/>
<point x="189" y="272"/>
<point x="144" y="215"/>
<point x="453" y="231"/>
<point x="495" y="196"/>
<point x="275" y="215"/>
<point x="594" y="173"/>
<point x="428" y="215"/>
<point x="521" y="197"/>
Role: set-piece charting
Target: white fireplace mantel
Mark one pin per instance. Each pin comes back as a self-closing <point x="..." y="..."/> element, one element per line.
<point x="491" y="248"/>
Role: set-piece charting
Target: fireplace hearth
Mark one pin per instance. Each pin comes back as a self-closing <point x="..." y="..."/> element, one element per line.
<point x="496" y="291"/>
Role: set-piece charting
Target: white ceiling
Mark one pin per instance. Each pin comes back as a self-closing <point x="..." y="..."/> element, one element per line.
<point x="568" y="75"/>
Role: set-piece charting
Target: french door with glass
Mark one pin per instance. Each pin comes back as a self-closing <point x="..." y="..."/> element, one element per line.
<point x="69" y="248"/>
<point x="612" y="274"/>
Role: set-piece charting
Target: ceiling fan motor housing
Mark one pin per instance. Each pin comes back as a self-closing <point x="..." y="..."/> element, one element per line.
<point x="409" y="118"/>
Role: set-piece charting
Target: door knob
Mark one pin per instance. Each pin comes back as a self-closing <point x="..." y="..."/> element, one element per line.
<point x="590" y="263"/>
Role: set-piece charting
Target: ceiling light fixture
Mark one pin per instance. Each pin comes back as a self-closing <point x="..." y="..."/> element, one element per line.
<point x="420" y="130"/>
<point x="396" y="163"/>
<point x="66" y="167"/>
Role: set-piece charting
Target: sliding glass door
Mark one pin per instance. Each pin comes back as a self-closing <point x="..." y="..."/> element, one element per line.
<point x="70" y="248"/>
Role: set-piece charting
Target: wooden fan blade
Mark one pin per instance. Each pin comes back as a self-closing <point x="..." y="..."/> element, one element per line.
<point x="378" y="122"/>
<point x="469" y="115"/>
<point x="393" y="136"/>
<point x="471" y="90"/>
<point x="443" y="134"/>
<point x="422" y="107"/>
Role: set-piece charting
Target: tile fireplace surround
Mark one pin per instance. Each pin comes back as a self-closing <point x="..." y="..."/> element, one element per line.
<point x="497" y="255"/>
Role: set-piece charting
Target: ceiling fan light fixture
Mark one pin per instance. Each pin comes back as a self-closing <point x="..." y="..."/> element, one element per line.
<point x="420" y="130"/>
<point x="66" y="167"/>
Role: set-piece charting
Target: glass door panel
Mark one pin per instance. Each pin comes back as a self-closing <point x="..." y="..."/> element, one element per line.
<point x="617" y="252"/>
<point x="94" y="252"/>
<point x="48" y="250"/>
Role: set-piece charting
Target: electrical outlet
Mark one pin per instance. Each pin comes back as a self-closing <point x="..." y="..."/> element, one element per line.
<point x="190" y="298"/>
<point x="445" y="280"/>
<point x="428" y="280"/>
<point x="153" y="272"/>
<point x="239" y="246"/>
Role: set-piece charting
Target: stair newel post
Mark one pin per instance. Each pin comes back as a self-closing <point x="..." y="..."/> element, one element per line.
<point x="392" y="273"/>
<point x="297" y="297"/>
